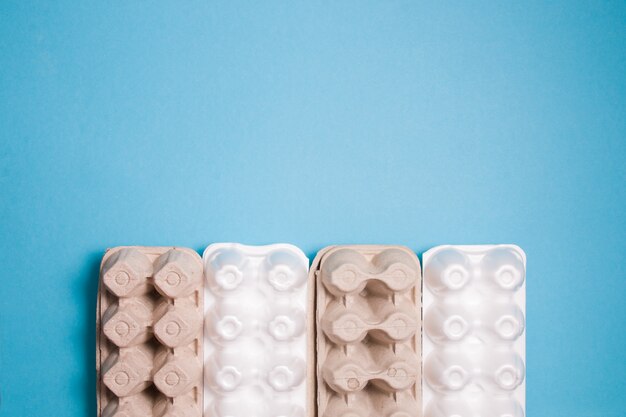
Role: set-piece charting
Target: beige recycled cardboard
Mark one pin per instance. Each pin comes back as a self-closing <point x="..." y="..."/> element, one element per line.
<point x="368" y="322"/>
<point x="149" y="332"/>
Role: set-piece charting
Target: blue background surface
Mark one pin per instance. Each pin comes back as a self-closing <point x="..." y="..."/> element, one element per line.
<point x="357" y="122"/>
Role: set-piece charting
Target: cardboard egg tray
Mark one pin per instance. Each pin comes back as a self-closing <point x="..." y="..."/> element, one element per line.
<point x="249" y="331"/>
<point x="368" y="338"/>
<point x="149" y="353"/>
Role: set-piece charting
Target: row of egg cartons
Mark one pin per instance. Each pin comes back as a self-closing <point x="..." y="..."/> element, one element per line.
<point x="250" y="332"/>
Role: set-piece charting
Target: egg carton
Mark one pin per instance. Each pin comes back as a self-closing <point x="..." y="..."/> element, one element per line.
<point x="368" y="331"/>
<point x="258" y="332"/>
<point x="149" y="333"/>
<point x="474" y="326"/>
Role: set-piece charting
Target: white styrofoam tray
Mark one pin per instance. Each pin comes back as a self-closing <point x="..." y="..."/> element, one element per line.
<point x="255" y="351"/>
<point x="474" y="331"/>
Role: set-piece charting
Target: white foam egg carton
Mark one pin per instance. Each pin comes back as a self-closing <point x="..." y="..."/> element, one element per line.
<point x="257" y="331"/>
<point x="474" y="331"/>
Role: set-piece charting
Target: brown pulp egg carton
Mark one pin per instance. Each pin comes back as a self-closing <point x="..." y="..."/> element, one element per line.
<point x="368" y="321"/>
<point x="149" y="332"/>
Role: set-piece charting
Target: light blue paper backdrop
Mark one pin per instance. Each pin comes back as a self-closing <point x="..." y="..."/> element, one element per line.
<point x="409" y="123"/>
